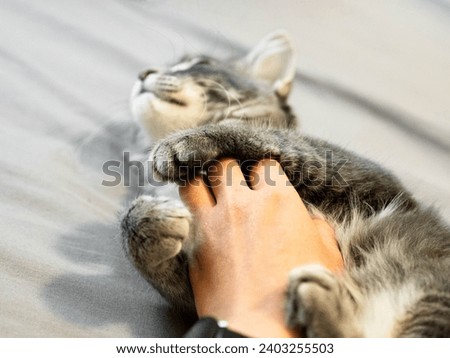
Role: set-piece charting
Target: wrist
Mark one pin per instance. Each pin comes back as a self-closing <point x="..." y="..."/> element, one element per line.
<point x="263" y="319"/>
<point x="259" y="325"/>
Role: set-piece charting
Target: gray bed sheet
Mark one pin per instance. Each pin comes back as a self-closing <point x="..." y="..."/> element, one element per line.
<point x="372" y="76"/>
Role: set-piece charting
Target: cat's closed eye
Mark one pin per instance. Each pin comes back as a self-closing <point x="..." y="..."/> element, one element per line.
<point x="203" y="62"/>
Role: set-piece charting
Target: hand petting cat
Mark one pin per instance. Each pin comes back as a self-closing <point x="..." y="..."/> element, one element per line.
<point x="247" y="234"/>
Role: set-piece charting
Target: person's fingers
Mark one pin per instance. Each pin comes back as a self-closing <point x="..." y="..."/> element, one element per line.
<point x="267" y="173"/>
<point x="226" y="177"/>
<point x="197" y="196"/>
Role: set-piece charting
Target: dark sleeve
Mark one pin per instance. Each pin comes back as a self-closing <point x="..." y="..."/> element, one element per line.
<point x="209" y="328"/>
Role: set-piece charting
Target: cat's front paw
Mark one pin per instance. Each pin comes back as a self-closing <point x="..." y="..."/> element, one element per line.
<point x="183" y="155"/>
<point x="319" y="304"/>
<point x="154" y="230"/>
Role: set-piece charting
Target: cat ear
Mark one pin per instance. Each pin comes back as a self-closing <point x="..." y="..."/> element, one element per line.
<point x="273" y="60"/>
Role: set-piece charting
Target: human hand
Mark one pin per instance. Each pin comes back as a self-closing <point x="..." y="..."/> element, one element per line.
<point x="251" y="238"/>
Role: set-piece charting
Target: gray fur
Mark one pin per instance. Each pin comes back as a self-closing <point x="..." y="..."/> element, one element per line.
<point x="396" y="251"/>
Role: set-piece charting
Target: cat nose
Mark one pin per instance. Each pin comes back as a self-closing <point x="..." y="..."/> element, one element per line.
<point x="143" y="75"/>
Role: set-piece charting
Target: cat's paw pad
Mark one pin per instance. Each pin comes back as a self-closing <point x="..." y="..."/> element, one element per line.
<point x="183" y="155"/>
<point x="154" y="230"/>
<point x="318" y="303"/>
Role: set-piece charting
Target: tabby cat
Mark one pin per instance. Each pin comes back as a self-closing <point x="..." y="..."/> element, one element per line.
<point x="396" y="251"/>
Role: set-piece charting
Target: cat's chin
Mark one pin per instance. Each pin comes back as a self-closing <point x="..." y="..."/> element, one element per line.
<point x="160" y="118"/>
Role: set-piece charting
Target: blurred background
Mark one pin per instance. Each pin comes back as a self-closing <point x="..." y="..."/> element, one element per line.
<point x="373" y="77"/>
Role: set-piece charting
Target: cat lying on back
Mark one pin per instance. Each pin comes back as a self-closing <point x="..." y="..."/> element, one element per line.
<point x="396" y="251"/>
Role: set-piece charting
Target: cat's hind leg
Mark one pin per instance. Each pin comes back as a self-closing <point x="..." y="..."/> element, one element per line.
<point x="154" y="230"/>
<point x="319" y="304"/>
